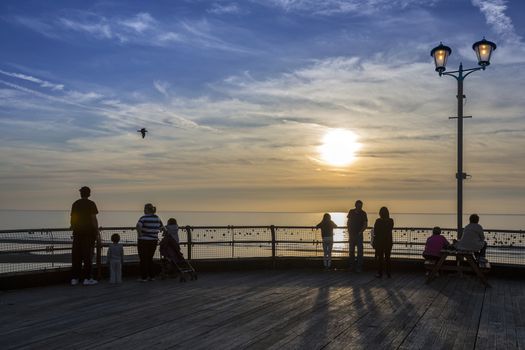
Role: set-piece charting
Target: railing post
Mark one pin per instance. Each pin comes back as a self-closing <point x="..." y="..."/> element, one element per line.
<point x="98" y="242"/>
<point x="272" y="229"/>
<point x="188" y="233"/>
<point x="233" y="241"/>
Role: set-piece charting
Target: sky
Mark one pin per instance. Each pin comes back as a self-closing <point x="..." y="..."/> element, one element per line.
<point x="238" y="97"/>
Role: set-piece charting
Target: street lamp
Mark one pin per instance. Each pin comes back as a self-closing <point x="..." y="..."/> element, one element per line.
<point x="483" y="49"/>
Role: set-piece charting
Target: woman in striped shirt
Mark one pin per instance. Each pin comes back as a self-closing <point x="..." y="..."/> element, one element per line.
<point x="148" y="229"/>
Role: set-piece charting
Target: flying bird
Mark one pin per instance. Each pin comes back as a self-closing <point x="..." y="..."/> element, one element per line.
<point x="143" y="132"/>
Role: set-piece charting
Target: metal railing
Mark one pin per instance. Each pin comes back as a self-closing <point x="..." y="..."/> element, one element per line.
<point x="47" y="249"/>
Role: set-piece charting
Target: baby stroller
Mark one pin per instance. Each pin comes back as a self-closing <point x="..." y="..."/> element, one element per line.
<point x="172" y="261"/>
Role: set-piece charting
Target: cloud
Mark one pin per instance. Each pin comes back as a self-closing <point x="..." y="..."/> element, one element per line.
<point x="139" y="29"/>
<point x="220" y="9"/>
<point x="42" y="83"/>
<point x="494" y="11"/>
<point x="330" y="7"/>
<point x="140" y="22"/>
<point x="162" y="87"/>
<point x="97" y="28"/>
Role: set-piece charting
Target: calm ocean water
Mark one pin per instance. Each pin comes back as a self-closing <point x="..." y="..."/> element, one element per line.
<point x="19" y="219"/>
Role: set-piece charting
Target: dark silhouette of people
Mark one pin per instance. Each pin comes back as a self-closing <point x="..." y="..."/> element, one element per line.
<point x="327" y="232"/>
<point x="473" y="238"/>
<point x="143" y="132"/>
<point x="85" y="232"/>
<point x="357" y="224"/>
<point x="383" y="241"/>
<point x="434" y="245"/>
<point x="148" y="228"/>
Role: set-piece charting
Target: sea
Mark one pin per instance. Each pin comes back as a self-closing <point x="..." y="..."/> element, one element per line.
<point x="37" y="219"/>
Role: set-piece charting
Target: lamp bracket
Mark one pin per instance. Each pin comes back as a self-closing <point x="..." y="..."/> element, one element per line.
<point x="464" y="117"/>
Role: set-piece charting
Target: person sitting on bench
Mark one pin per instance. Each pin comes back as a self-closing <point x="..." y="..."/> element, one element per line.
<point x="434" y="244"/>
<point x="473" y="239"/>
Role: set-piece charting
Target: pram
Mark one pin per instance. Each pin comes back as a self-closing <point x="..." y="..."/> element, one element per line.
<point x="172" y="261"/>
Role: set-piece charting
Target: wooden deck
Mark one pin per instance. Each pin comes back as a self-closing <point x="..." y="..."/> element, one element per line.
<point x="292" y="309"/>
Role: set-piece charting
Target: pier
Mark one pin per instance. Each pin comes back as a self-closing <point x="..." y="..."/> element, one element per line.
<point x="279" y="309"/>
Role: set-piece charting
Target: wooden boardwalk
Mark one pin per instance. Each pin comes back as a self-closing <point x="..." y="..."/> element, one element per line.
<point x="292" y="309"/>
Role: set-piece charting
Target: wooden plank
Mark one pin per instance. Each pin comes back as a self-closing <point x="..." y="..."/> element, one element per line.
<point x="329" y="315"/>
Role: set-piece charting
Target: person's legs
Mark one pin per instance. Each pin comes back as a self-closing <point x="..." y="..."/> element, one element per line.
<point x="76" y="258"/>
<point x="151" y="247"/>
<point x="359" y="242"/>
<point x="113" y="271"/>
<point x="117" y="267"/>
<point x="379" y="259"/>
<point x="388" y="268"/>
<point x="141" y="247"/>
<point x="351" y="249"/>
<point x="327" y="251"/>
<point x="88" y="244"/>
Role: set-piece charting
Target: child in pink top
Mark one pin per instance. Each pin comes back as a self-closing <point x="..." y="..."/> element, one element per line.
<point x="434" y="244"/>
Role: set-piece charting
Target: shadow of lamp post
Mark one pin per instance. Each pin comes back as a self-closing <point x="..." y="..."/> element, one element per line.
<point x="483" y="49"/>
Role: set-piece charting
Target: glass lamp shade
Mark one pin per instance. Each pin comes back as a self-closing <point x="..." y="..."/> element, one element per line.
<point x="440" y="54"/>
<point x="483" y="50"/>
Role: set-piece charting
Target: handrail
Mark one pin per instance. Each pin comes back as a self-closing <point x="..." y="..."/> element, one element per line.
<point x="47" y="248"/>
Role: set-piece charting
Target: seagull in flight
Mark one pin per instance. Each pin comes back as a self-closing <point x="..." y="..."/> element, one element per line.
<point x="143" y="132"/>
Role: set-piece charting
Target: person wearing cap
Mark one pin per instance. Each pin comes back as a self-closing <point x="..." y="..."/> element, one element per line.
<point x="85" y="232"/>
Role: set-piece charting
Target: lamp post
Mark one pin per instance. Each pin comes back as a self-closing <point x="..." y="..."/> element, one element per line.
<point x="483" y="49"/>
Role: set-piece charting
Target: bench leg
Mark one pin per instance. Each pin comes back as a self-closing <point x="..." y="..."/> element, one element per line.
<point x="477" y="271"/>
<point x="436" y="268"/>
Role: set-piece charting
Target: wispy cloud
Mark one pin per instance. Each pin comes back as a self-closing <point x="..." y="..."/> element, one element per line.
<point x="230" y="8"/>
<point x="162" y="87"/>
<point x="494" y="11"/>
<point x="142" y="29"/>
<point x="140" y="23"/>
<point x="330" y="7"/>
<point x="42" y="83"/>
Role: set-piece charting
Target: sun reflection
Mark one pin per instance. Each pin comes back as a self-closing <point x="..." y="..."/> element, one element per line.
<point x="339" y="147"/>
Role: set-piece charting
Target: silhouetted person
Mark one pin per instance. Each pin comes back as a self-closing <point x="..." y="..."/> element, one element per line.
<point x="357" y="223"/>
<point x="85" y="232"/>
<point x="143" y="132"/>
<point x="473" y="238"/>
<point x="383" y="241"/>
<point x="435" y="244"/>
<point x="115" y="259"/>
<point x="148" y="228"/>
<point x="327" y="232"/>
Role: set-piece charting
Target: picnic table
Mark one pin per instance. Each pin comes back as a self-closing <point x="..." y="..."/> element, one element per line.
<point x="460" y="255"/>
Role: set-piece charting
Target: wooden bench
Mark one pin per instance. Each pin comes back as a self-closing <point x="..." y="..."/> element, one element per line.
<point x="460" y="256"/>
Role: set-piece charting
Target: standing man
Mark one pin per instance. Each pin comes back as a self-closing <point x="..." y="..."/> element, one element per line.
<point x="357" y="224"/>
<point x="85" y="232"/>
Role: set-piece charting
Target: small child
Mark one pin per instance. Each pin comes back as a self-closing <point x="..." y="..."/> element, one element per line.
<point x="115" y="259"/>
<point x="434" y="244"/>
<point x="173" y="229"/>
<point x="327" y="232"/>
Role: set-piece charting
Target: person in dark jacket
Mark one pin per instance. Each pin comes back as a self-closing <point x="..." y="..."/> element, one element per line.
<point x="327" y="232"/>
<point x="383" y="241"/>
<point x="85" y="233"/>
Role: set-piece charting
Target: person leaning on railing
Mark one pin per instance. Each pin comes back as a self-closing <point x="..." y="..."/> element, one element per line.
<point x="327" y="232"/>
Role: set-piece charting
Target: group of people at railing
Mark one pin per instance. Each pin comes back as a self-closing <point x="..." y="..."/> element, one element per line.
<point x="472" y="239"/>
<point x="85" y="233"/>
<point x="84" y="224"/>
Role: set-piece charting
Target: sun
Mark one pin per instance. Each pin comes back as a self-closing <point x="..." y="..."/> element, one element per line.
<point x="339" y="147"/>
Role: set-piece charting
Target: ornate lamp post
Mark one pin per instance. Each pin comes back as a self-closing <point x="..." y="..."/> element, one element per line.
<point x="483" y="49"/>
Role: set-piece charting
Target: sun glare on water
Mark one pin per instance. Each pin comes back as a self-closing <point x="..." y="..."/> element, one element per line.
<point x="339" y="147"/>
